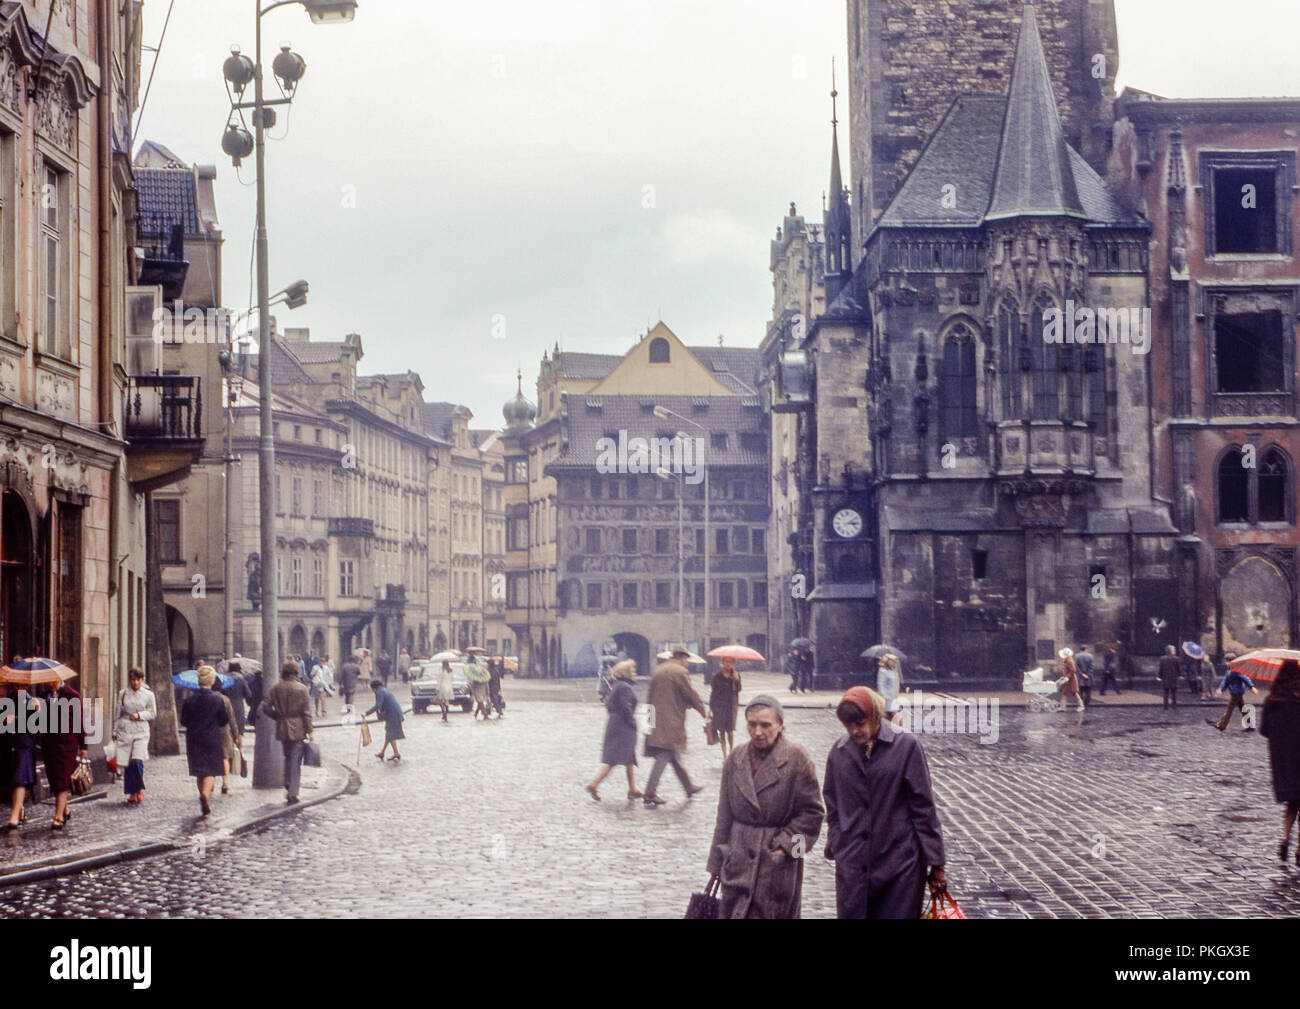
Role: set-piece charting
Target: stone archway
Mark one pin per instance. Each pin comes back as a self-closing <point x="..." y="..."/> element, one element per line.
<point x="298" y="640"/>
<point x="181" y="638"/>
<point x="1256" y="606"/>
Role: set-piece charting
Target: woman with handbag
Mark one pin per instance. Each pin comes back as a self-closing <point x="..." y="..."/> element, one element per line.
<point x="724" y="702"/>
<point x="389" y="711"/>
<point x="63" y="746"/>
<point x="204" y="717"/>
<point x="136" y="708"/>
<point x="232" y="742"/>
<point x="22" y="758"/>
<point x="619" y="746"/>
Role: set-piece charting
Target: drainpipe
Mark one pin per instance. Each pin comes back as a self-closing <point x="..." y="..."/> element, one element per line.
<point x="103" y="110"/>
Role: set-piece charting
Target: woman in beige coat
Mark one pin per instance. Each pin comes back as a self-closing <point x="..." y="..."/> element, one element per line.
<point x="769" y="815"/>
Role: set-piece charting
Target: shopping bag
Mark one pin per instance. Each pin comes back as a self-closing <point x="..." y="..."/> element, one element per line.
<point x="943" y="906"/>
<point x="112" y="763"/>
<point x="365" y="733"/>
<point x="82" y="779"/>
<point x="310" y="755"/>
<point x="243" y="763"/>
<point x="710" y="736"/>
<point x="706" y="904"/>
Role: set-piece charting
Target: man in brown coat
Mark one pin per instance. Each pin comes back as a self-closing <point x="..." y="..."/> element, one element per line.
<point x="769" y="814"/>
<point x="289" y="703"/>
<point x="671" y="695"/>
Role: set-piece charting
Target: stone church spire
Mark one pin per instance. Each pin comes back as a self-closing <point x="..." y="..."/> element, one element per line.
<point x="837" y="220"/>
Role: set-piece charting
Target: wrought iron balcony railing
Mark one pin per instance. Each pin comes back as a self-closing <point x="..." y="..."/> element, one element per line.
<point x="164" y="408"/>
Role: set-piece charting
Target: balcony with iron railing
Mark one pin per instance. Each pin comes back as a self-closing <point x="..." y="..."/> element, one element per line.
<point x="163" y="421"/>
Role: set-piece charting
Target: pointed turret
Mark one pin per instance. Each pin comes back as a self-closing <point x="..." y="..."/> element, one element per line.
<point x="836" y="218"/>
<point x="1033" y="174"/>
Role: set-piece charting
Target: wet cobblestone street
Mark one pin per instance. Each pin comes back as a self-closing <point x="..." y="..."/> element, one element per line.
<point x="1120" y="813"/>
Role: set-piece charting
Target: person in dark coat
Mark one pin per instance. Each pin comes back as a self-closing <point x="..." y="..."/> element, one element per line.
<point x="1280" y="725"/>
<point x="883" y="831"/>
<point x="389" y="711"/>
<point x="769" y="815"/>
<point x="724" y="703"/>
<point x="289" y="703"/>
<point x="256" y="691"/>
<point x="204" y="717"/>
<point x="1109" y="667"/>
<point x="799" y="667"/>
<point x="63" y="743"/>
<point x="349" y="674"/>
<point x="1167" y="670"/>
<point x="239" y="695"/>
<point x="22" y="757"/>
<point x="1085" y="666"/>
<point x="495" y="668"/>
<point x="619" y="746"/>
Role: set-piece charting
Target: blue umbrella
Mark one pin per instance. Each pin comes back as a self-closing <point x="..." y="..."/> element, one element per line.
<point x="189" y="679"/>
<point x="1193" y="650"/>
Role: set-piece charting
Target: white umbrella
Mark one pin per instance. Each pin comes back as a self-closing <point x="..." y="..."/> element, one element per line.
<point x="446" y="657"/>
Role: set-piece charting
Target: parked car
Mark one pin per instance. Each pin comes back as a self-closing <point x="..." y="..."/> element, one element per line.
<point x="424" y="686"/>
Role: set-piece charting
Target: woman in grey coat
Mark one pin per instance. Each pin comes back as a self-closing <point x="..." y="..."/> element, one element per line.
<point x="882" y="828"/>
<point x="619" y="748"/>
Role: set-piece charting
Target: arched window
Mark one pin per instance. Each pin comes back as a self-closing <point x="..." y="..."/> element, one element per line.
<point x="1094" y="363"/>
<point x="1255" y="493"/>
<point x="958" y="410"/>
<point x="1234" y="488"/>
<point x="1008" y="324"/>
<point x="1045" y="366"/>
<point x="658" y="350"/>
<point x="1274" y="487"/>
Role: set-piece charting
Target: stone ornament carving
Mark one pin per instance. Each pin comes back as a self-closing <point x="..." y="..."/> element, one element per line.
<point x="22" y="457"/>
<point x="8" y="377"/>
<point x="55" y="395"/>
<point x="56" y="116"/>
<point x="69" y="473"/>
<point x="1040" y="511"/>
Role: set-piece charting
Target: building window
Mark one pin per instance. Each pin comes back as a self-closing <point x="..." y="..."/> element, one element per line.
<point x="7" y="220"/>
<point x="1248" y="201"/>
<point x="1255" y="494"/>
<point x="593" y="541"/>
<point x="663" y="542"/>
<point x="1250" y="352"/>
<point x="1009" y="352"/>
<point x="629" y="541"/>
<point x="659" y="351"/>
<point x="295" y="576"/>
<point x="317" y="577"/>
<point x="54" y="281"/>
<point x="758" y="541"/>
<point x="726" y="595"/>
<point x="629" y="595"/>
<point x="593" y="596"/>
<point x="347" y="578"/>
<point x="699" y="595"/>
<point x="759" y="595"/>
<point x="721" y="540"/>
<point x="742" y="595"/>
<point x="958" y="411"/>
<point x="979" y="564"/>
<point x="699" y="542"/>
<point x="517" y="591"/>
<point x="517" y="534"/>
<point x="518" y="470"/>
<point x="318" y="497"/>
<point x="739" y="540"/>
<point x="718" y="441"/>
<point x="1273" y="487"/>
<point x="168" y="524"/>
<point x="297" y="432"/>
<point x="279" y="506"/>
<point x="1045" y="367"/>
<point x="663" y="595"/>
<point x="296" y="496"/>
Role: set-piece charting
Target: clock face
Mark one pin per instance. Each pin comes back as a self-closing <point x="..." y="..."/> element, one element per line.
<point x="847" y="523"/>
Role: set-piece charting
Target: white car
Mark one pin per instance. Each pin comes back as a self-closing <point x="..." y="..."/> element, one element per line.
<point x="424" y="686"/>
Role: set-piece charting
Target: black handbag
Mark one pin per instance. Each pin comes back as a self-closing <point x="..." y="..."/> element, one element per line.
<point x="706" y="904"/>
<point x="310" y="755"/>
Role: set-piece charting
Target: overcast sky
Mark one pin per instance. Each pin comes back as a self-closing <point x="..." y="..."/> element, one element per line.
<point x="466" y="184"/>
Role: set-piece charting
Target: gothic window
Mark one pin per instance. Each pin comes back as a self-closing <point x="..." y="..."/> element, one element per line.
<point x="1094" y="363"/>
<point x="1274" y="484"/>
<point x="1045" y="366"/>
<point x="958" y="410"/>
<point x="1249" y="352"/>
<point x="659" y="350"/>
<point x="1253" y="494"/>
<point x="1009" y="352"/>
<point x="1248" y="201"/>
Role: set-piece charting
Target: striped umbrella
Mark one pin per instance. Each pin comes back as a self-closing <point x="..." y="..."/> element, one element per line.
<point x="29" y="672"/>
<point x="1263" y="663"/>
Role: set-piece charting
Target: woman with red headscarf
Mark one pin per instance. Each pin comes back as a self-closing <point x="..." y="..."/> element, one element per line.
<point x="1280" y="724"/>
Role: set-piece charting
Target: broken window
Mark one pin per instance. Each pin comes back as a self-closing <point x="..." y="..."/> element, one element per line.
<point x="1234" y="488"/>
<point x="1245" y="210"/>
<point x="1249" y="352"/>
<point x="958" y="409"/>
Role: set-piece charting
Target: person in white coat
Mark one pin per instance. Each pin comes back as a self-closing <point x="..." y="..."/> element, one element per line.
<point x="136" y="708"/>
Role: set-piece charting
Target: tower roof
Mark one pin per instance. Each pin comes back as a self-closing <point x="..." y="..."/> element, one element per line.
<point x="837" y="213"/>
<point x="1034" y="174"/>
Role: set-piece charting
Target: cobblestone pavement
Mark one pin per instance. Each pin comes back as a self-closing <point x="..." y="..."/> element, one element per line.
<point x="1118" y="813"/>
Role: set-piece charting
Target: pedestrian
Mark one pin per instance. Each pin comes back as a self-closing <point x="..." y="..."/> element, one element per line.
<point x="882" y="829"/>
<point x="349" y="673"/>
<point x="888" y="678"/>
<point x="325" y="671"/>
<point x="1167" y="671"/>
<point x="289" y="704"/>
<point x="1280" y="725"/>
<point x="136" y="708"/>
<point x="1109" y="667"/>
<point x="232" y="740"/>
<point x="19" y="732"/>
<point x="256" y="692"/>
<point x="404" y="665"/>
<point x="385" y="666"/>
<point x="317" y="689"/>
<point x="1069" y="681"/>
<point x="390" y="713"/>
<point x="1192" y="672"/>
<point x="1085" y="665"/>
<point x="671" y="696"/>
<point x="799" y="667"/>
<point x="446" y="688"/>
<point x="1236" y="684"/>
<point x="769" y="816"/>
<point x="478" y="683"/>
<point x="204" y="717"/>
<point x="367" y="665"/>
<point x="496" y="668"/>
<point x="238" y="693"/>
<point x="63" y="744"/>
<point x="724" y="703"/>
<point x="1208" y="677"/>
<point x="619" y="746"/>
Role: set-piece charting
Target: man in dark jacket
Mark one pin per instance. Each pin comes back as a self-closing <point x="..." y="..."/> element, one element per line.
<point x="1085" y="665"/>
<point x="256" y="691"/>
<point x="349" y="674"/>
<point x="289" y="703"/>
<point x="239" y="695"/>
<point x="1236" y="684"/>
<point x="1109" y="667"/>
<point x="1168" y="671"/>
<point x="671" y="695"/>
<point x="882" y="828"/>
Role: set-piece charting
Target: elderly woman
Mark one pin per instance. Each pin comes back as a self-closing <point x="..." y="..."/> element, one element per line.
<point x="724" y="702"/>
<point x="888" y="678"/>
<point x="62" y="745"/>
<point x="769" y="815"/>
<point x="388" y="710"/>
<point x="1280" y="725"/>
<point x="882" y="829"/>
<point x="619" y="747"/>
<point x="22" y="757"/>
<point x="205" y="719"/>
<point x="136" y="708"/>
<point x="1069" y="680"/>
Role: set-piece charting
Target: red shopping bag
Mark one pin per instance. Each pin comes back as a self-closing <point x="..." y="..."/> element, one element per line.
<point x="943" y="906"/>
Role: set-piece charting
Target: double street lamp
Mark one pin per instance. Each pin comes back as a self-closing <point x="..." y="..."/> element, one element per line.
<point x="239" y="72"/>
<point x="663" y="413"/>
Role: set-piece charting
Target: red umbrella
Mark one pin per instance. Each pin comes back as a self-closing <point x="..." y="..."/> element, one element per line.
<point x="1263" y="663"/>
<point x="737" y="652"/>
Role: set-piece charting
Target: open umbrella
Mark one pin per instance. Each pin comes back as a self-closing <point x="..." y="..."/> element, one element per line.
<point x="189" y="679"/>
<point x="738" y="652"/>
<point x="693" y="659"/>
<point x="1192" y="650"/>
<point x="801" y="643"/>
<point x="446" y="657"/>
<point x="880" y="651"/>
<point x="246" y="665"/>
<point x="1263" y="663"/>
<point x="476" y="651"/>
<point x="29" y="672"/>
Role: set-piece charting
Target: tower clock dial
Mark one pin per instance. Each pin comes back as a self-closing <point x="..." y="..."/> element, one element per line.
<point x="847" y="523"/>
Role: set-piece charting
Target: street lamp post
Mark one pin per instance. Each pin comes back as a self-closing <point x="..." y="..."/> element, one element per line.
<point x="663" y="413"/>
<point x="663" y="474"/>
<point x="288" y="70"/>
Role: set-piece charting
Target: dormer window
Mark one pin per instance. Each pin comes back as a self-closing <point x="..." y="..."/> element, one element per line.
<point x="659" y="351"/>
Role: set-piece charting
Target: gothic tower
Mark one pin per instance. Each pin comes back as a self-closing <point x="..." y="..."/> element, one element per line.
<point x="837" y="219"/>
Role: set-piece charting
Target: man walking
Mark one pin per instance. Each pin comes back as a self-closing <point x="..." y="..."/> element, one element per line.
<point x="1085" y="665"/>
<point x="289" y="704"/>
<point x="671" y="695"/>
<point x="404" y="665"/>
<point x="1109" y="667"/>
<point x="1236" y="684"/>
<point x="1168" y="670"/>
<point x="349" y="673"/>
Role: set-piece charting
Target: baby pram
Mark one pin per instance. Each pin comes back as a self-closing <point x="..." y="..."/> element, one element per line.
<point x="1042" y="696"/>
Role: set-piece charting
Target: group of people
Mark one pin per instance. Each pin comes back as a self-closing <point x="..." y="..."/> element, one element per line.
<point x="1080" y="673"/>
<point x="1199" y="675"/>
<point x="59" y="742"/>
<point x="883" y="830"/>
